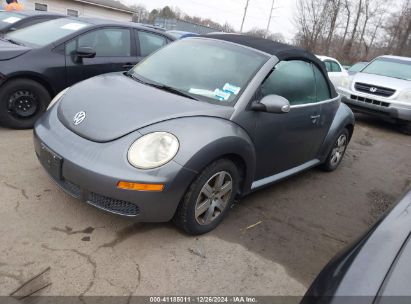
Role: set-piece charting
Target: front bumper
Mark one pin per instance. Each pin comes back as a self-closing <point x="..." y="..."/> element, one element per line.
<point x="375" y="105"/>
<point x="90" y="171"/>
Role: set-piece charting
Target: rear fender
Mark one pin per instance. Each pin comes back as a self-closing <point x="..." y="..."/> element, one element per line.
<point x="344" y="118"/>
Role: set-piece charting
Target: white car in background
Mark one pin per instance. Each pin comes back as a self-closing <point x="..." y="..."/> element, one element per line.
<point x="335" y="70"/>
<point x="383" y="89"/>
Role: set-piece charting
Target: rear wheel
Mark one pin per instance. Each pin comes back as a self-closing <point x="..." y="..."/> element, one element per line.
<point x="22" y="101"/>
<point x="209" y="198"/>
<point x="337" y="153"/>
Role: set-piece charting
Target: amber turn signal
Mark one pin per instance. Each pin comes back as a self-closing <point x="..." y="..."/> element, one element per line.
<point x="140" y="187"/>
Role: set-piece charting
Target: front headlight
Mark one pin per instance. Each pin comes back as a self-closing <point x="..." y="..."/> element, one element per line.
<point x="346" y="83"/>
<point x="57" y="98"/>
<point x="405" y="96"/>
<point x="153" y="150"/>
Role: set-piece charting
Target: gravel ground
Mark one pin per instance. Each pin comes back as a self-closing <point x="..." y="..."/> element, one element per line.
<point x="273" y="243"/>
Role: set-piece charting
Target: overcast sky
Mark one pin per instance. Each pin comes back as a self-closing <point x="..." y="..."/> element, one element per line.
<point x="232" y="11"/>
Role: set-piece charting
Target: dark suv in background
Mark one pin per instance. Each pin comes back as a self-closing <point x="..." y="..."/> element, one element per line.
<point x="38" y="62"/>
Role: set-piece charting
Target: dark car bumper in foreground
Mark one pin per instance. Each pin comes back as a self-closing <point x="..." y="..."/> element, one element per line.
<point x="91" y="171"/>
<point x="364" y="272"/>
<point x="373" y="106"/>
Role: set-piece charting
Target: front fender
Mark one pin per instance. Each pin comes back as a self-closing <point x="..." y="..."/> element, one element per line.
<point x="205" y="139"/>
<point x="343" y="118"/>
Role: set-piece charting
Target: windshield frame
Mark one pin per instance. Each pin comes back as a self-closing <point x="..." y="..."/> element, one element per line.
<point x="387" y="59"/>
<point x="88" y="26"/>
<point x="202" y="98"/>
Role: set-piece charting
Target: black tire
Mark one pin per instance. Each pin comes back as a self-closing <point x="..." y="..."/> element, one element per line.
<point x="22" y="101"/>
<point x="406" y="128"/>
<point x="330" y="164"/>
<point x="185" y="217"/>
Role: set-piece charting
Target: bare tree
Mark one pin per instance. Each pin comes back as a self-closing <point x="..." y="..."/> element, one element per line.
<point x="310" y="20"/>
<point x="347" y="6"/>
<point x="335" y="8"/>
<point x="348" y="46"/>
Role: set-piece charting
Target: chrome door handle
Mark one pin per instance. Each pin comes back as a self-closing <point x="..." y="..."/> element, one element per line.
<point x="314" y="118"/>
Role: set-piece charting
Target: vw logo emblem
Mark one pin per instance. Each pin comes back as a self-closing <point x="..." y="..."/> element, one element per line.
<point x="373" y="90"/>
<point x="79" y="118"/>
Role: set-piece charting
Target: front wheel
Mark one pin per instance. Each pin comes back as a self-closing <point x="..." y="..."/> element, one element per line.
<point x="209" y="198"/>
<point x="337" y="153"/>
<point x="22" y="101"/>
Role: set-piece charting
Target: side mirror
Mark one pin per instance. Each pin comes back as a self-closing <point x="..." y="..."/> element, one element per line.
<point x="85" y="52"/>
<point x="272" y="104"/>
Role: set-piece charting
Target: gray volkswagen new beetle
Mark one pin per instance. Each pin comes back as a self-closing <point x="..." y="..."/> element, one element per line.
<point x="197" y="124"/>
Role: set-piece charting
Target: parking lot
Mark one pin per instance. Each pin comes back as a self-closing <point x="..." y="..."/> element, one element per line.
<point x="273" y="243"/>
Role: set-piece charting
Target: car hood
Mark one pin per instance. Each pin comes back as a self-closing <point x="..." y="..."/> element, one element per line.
<point x="382" y="81"/>
<point x="116" y="105"/>
<point x="9" y="50"/>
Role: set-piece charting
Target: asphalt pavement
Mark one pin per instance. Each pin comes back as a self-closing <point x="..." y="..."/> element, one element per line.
<point x="274" y="242"/>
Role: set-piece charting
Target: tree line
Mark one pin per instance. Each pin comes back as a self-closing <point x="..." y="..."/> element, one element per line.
<point x="144" y="16"/>
<point x="350" y="30"/>
<point x="354" y="30"/>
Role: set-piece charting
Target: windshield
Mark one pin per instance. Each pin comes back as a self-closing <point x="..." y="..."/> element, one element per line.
<point x="47" y="32"/>
<point x="390" y="67"/>
<point x="357" y="67"/>
<point x="209" y="70"/>
<point x="8" y="18"/>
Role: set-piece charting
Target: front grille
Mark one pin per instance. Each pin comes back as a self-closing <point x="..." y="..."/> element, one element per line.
<point x="371" y="101"/>
<point x="113" y="205"/>
<point x="71" y="188"/>
<point x="375" y="90"/>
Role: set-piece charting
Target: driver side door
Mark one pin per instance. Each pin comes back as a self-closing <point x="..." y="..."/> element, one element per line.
<point x="286" y="141"/>
<point x="115" y="52"/>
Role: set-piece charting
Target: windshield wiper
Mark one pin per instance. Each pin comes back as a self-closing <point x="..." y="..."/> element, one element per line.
<point x="13" y="41"/>
<point x="131" y="75"/>
<point x="161" y="87"/>
<point x="171" y="90"/>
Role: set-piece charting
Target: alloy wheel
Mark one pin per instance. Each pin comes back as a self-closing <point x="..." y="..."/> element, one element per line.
<point x="339" y="149"/>
<point x="213" y="198"/>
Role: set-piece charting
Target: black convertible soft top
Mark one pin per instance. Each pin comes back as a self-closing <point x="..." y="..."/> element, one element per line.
<point x="281" y="50"/>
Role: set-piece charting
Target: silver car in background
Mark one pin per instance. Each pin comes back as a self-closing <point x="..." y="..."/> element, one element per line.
<point x="383" y="89"/>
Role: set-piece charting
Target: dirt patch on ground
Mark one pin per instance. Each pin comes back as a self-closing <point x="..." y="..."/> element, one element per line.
<point x="380" y="202"/>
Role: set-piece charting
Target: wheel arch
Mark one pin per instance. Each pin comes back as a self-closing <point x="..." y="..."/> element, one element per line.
<point x="34" y="77"/>
<point x="344" y="118"/>
<point x="208" y="139"/>
<point x="350" y="128"/>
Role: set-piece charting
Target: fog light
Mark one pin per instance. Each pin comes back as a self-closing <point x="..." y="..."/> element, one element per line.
<point x="140" y="187"/>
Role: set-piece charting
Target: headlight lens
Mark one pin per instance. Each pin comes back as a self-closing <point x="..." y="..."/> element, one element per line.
<point x="57" y="98"/>
<point x="153" y="150"/>
<point x="405" y="96"/>
<point x="346" y="83"/>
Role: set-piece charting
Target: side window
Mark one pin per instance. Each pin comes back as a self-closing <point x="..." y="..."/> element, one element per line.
<point x="323" y="90"/>
<point x="108" y="42"/>
<point x="71" y="47"/>
<point x="328" y="66"/>
<point x="150" y="43"/>
<point x="293" y="80"/>
<point x="335" y="66"/>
